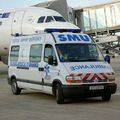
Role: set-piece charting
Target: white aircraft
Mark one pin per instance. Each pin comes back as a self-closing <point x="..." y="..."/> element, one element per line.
<point x="28" y="21"/>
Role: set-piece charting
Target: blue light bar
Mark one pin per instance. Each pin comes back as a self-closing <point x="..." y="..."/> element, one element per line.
<point x="49" y="30"/>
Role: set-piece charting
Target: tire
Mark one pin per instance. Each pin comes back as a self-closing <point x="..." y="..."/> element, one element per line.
<point x="59" y="94"/>
<point x="14" y="87"/>
<point x="106" y="97"/>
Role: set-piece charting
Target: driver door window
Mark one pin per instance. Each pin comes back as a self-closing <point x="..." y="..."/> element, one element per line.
<point x="49" y="51"/>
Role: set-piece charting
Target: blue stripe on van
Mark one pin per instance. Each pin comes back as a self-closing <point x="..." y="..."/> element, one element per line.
<point x="24" y="64"/>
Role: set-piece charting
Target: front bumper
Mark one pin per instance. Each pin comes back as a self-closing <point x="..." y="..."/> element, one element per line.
<point x="85" y="91"/>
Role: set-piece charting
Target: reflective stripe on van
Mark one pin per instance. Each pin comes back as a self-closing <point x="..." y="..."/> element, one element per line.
<point x="95" y="77"/>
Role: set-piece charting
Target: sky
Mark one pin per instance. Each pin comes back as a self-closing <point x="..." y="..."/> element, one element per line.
<point x="5" y="4"/>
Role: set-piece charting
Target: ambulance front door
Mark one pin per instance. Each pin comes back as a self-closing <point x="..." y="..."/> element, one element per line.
<point x="50" y="71"/>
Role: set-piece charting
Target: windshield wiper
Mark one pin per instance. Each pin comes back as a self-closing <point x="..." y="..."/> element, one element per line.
<point x="89" y="60"/>
<point x="79" y="60"/>
<point x="73" y="60"/>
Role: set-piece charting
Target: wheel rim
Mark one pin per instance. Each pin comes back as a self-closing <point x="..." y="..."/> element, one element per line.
<point x="57" y="94"/>
<point x="14" y="86"/>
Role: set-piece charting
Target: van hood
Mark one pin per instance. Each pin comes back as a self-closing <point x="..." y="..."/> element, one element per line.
<point x="88" y="67"/>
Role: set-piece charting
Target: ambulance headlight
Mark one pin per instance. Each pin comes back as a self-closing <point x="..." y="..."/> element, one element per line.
<point x="73" y="79"/>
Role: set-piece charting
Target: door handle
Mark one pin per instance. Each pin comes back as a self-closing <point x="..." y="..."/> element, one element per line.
<point x="41" y="69"/>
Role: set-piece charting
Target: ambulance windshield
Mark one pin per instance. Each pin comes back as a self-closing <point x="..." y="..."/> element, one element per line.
<point x="79" y="53"/>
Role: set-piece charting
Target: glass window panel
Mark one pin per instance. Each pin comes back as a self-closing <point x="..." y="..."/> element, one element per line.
<point x="49" y="51"/>
<point x="117" y="14"/>
<point x="86" y="20"/>
<point x="41" y="19"/>
<point x="78" y="52"/>
<point x="108" y="16"/>
<point x="49" y="19"/>
<point x="113" y="15"/>
<point x="100" y="18"/>
<point x="59" y="18"/>
<point x="14" y="53"/>
<point x="35" y="53"/>
<point x="93" y="19"/>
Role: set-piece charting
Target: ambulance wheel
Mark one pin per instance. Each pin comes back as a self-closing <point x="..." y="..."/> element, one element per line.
<point x="106" y="97"/>
<point x="59" y="94"/>
<point x="14" y="87"/>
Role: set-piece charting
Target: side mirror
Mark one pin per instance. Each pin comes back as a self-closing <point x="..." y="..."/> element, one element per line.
<point x="107" y="58"/>
<point x="51" y="61"/>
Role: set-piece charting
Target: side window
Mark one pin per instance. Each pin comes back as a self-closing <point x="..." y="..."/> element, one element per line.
<point x="14" y="54"/>
<point x="49" y="51"/>
<point x="35" y="53"/>
<point x="49" y="19"/>
<point x="41" y="19"/>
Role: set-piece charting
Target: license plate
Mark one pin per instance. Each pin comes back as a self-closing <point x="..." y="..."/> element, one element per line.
<point x="96" y="87"/>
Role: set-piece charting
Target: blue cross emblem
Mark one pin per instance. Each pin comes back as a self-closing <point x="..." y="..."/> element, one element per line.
<point x="46" y="69"/>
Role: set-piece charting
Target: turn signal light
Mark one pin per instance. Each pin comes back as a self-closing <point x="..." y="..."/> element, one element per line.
<point x="73" y="79"/>
<point x="111" y="77"/>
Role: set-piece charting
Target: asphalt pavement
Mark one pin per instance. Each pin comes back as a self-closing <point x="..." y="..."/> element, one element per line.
<point x="33" y="105"/>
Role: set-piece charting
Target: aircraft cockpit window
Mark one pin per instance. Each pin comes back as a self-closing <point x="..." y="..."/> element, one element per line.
<point x="59" y="18"/>
<point x="49" y="19"/>
<point x="41" y="19"/>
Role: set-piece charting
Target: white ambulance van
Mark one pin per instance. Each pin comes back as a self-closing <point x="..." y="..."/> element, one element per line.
<point x="64" y="64"/>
